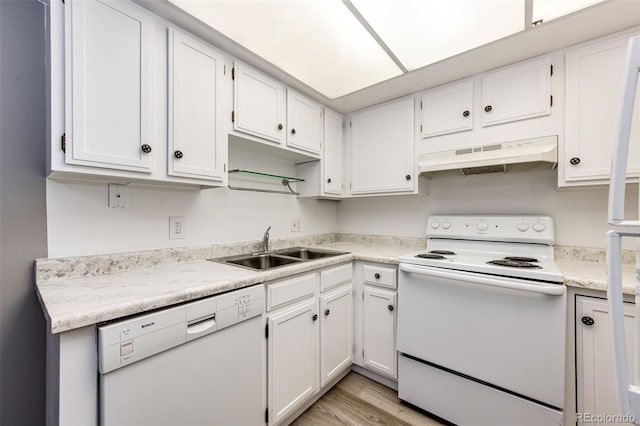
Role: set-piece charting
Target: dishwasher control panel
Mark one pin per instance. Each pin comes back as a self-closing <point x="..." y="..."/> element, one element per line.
<point x="124" y="342"/>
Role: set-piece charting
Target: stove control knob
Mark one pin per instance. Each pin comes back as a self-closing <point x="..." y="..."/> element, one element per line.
<point x="522" y="227"/>
<point x="435" y="225"/>
<point x="539" y="227"/>
<point x="446" y="225"/>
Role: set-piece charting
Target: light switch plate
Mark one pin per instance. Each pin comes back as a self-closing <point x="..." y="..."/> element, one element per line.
<point x="118" y="196"/>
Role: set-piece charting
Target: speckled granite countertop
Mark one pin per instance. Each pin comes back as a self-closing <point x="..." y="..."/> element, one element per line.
<point x="80" y="291"/>
<point x="91" y="297"/>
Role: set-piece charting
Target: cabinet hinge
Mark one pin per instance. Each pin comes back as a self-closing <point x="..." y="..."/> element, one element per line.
<point x="266" y="415"/>
<point x="420" y="104"/>
<point x="421" y="127"/>
<point x="551" y="69"/>
<point x="225" y="168"/>
<point x="224" y="69"/>
<point x="233" y="73"/>
<point x="349" y="185"/>
<point x="266" y="331"/>
<point x="63" y="143"/>
<point x="233" y="116"/>
<point x="350" y="124"/>
<point x="363" y="354"/>
<point x="551" y="100"/>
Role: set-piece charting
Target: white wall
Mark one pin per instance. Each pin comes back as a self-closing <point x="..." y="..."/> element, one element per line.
<point x="580" y="214"/>
<point x="80" y="221"/>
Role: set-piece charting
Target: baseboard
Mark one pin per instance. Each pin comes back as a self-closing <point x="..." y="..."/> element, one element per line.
<point x="386" y="381"/>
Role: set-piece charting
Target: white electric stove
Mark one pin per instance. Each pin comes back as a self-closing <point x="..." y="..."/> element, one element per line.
<point x="481" y="322"/>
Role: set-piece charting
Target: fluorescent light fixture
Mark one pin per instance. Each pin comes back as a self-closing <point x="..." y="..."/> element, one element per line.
<point x="319" y="42"/>
<point x="551" y="9"/>
<point x="421" y="32"/>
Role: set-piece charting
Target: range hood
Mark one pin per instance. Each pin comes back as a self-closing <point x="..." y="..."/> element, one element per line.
<point x="493" y="158"/>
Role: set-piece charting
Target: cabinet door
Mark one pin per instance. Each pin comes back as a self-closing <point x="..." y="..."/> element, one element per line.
<point x="336" y="333"/>
<point x="447" y="109"/>
<point x="196" y="136"/>
<point x="304" y="121"/>
<point x="380" y="331"/>
<point x="292" y="358"/>
<point x="107" y="85"/>
<point x="382" y="148"/>
<point x="259" y="104"/>
<point x="517" y="92"/>
<point x="594" y="356"/>
<point x="595" y="74"/>
<point x="333" y="171"/>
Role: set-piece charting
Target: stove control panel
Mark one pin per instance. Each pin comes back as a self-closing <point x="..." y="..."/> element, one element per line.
<point x="526" y="228"/>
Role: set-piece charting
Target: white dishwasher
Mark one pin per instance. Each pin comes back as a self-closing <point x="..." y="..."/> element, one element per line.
<point x="202" y="363"/>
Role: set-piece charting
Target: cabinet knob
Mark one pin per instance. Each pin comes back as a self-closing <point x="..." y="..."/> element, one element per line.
<point x="588" y="320"/>
<point x="466" y="113"/>
<point x="574" y="161"/>
<point x="327" y="312"/>
<point x="280" y="126"/>
<point x="178" y="154"/>
<point x="314" y="317"/>
<point x="488" y="108"/>
<point x="408" y="177"/>
<point x="390" y="308"/>
<point x="293" y="131"/>
<point x="329" y="180"/>
<point x="377" y="275"/>
<point x="146" y="148"/>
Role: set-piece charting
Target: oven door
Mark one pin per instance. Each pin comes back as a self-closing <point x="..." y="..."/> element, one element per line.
<point x="506" y="332"/>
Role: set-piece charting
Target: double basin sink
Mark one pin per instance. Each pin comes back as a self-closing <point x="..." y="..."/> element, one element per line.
<point x="277" y="258"/>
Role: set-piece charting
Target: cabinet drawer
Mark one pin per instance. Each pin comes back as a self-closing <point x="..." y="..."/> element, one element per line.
<point x="334" y="277"/>
<point x="379" y="275"/>
<point x="283" y="292"/>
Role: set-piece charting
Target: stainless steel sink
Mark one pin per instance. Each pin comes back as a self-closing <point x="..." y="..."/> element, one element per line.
<point x="309" y="253"/>
<point x="284" y="257"/>
<point x="260" y="261"/>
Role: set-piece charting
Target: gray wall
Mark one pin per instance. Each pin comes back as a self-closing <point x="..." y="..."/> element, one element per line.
<point x="23" y="233"/>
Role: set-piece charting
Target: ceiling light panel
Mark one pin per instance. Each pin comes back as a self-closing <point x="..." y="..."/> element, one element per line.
<point x="421" y="32"/>
<point x="551" y="9"/>
<point x="319" y="42"/>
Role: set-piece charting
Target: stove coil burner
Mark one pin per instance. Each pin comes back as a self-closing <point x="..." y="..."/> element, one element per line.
<point x="514" y="264"/>
<point x="444" y="252"/>
<point x="522" y="259"/>
<point x="430" y="256"/>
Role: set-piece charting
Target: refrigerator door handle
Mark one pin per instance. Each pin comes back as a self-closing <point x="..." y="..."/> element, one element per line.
<point x="621" y="150"/>
<point x="628" y="395"/>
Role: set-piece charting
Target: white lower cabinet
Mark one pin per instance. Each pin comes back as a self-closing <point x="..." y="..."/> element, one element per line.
<point x="292" y="358"/>
<point x="310" y="337"/>
<point x="336" y="333"/>
<point x="379" y="336"/>
<point x="595" y="375"/>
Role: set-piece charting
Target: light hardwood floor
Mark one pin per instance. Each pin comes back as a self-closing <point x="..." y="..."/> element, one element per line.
<point x="356" y="400"/>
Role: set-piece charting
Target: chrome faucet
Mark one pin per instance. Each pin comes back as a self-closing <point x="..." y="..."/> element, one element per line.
<point x="265" y="241"/>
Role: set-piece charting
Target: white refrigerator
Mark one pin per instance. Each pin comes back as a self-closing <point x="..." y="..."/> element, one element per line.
<point x="628" y="393"/>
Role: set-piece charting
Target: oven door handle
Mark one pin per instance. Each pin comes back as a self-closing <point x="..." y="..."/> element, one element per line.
<point x="512" y="284"/>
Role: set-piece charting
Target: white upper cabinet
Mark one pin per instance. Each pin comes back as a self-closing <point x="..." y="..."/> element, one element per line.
<point x="447" y="109"/>
<point x="259" y="104"/>
<point x="196" y="134"/>
<point x="594" y="80"/>
<point x="304" y="122"/>
<point x="108" y="117"/>
<point x="333" y="157"/>
<point x="517" y="92"/>
<point x="381" y="154"/>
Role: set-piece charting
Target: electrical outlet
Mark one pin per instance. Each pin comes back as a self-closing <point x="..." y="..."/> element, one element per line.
<point x="176" y="227"/>
<point x="118" y="196"/>
<point x="295" y="224"/>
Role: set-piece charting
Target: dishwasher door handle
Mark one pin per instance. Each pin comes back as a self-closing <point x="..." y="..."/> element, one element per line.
<point x="201" y="327"/>
<point x="512" y="284"/>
